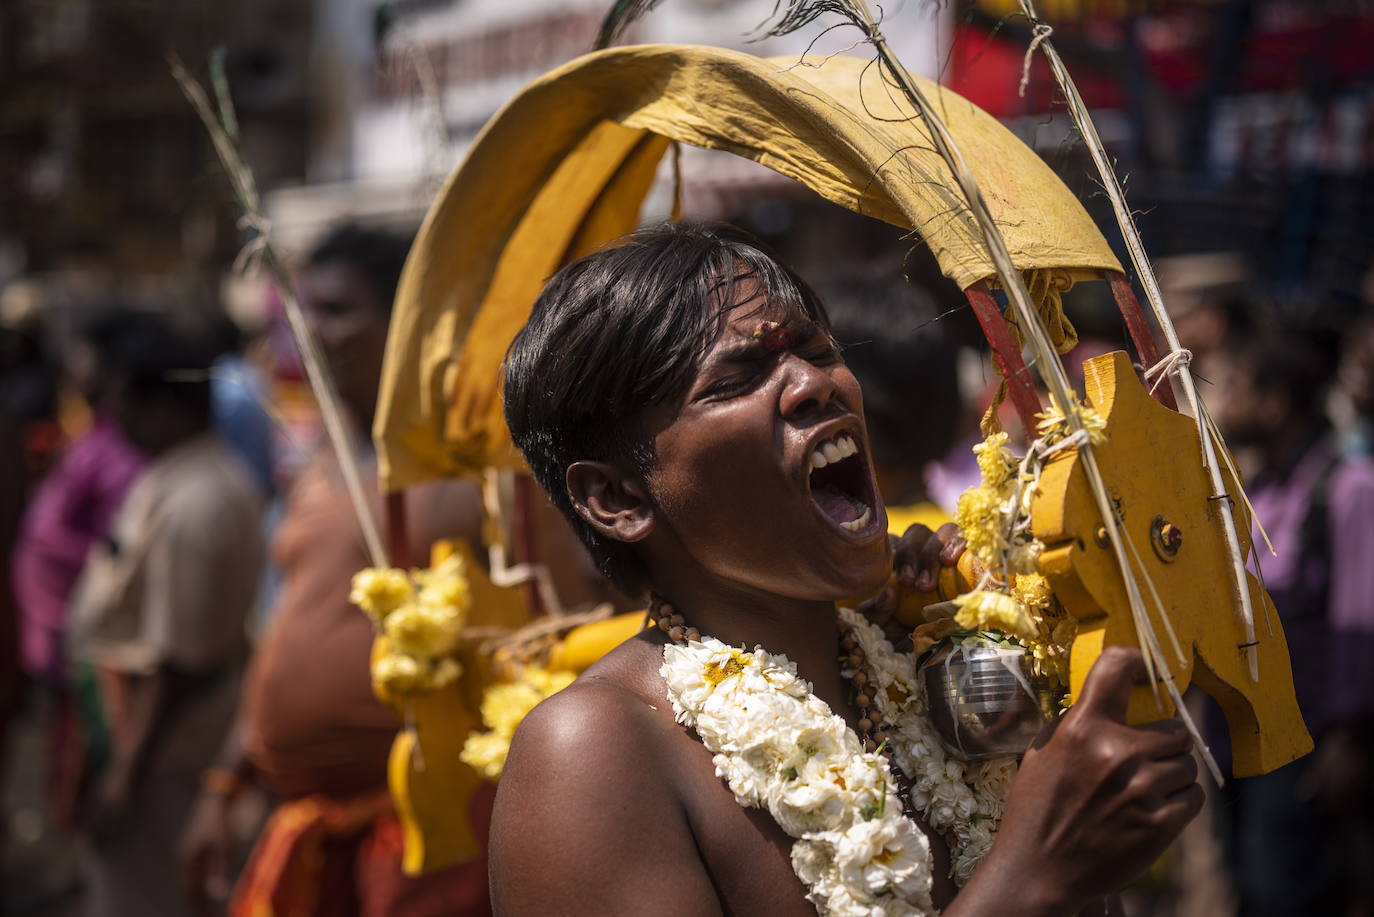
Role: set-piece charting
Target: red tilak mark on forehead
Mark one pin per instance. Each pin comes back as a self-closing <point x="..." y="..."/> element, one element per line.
<point x="774" y="337"/>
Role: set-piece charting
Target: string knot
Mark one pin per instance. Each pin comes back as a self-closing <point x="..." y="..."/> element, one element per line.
<point x="261" y="228"/>
<point x="1171" y="364"/>
<point x="1041" y="32"/>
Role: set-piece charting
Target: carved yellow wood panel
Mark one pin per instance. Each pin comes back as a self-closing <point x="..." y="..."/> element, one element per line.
<point x="1153" y="471"/>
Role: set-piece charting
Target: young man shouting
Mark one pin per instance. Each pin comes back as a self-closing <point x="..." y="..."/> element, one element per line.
<point x="681" y="399"/>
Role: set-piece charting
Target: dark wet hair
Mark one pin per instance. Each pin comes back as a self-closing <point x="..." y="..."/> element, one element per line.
<point x="905" y="360"/>
<point x="620" y="331"/>
<point x="377" y="254"/>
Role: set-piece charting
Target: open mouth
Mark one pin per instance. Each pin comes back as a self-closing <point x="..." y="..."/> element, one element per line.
<point x="839" y="483"/>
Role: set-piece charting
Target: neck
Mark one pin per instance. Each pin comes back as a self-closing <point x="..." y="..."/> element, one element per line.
<point x="801" y="629"/>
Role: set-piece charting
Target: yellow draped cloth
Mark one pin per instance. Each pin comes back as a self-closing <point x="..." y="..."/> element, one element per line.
<point x="566" y="165"/>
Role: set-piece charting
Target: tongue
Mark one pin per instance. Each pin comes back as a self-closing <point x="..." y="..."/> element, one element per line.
<point x="837" y="504"/>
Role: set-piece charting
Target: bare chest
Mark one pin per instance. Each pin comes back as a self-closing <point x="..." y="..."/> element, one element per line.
<point x="745" y="852"/>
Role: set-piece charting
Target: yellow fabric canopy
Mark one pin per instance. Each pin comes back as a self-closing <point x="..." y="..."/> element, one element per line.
<point x="565" y="167"/>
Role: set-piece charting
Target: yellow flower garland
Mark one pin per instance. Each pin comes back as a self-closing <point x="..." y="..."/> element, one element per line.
<point x="504" y="706"/>
<point x="1014" y="599"/>
<point x="421" y="613"/>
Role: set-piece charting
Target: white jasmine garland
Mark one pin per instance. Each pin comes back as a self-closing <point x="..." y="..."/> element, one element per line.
<point x="963" y="800"/>
<point x="780" y="747"/>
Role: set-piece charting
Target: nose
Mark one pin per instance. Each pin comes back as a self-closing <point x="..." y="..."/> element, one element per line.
<point x="808" y="388"/>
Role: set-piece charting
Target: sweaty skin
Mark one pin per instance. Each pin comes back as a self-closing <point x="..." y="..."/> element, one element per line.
<point x="608" y="806"/>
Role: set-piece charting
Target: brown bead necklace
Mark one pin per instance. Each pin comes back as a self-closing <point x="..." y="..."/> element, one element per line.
<point x="871" y="730"/>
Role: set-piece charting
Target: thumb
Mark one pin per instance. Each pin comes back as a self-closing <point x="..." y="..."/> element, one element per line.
<point x="1107" y="689"/>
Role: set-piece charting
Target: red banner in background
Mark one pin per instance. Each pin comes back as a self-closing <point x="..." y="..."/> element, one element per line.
<point x="1259" y="47"/>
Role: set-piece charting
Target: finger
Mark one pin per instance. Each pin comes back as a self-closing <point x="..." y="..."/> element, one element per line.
<point x="1162" y="739"/>
<point x="217" y="866"/>
<point x="906" y="555"/>
<point x="952" y="544"/>
<point x="1180" y="808"/>
<point x="1107" y="689"/>
<point x="1174" y="776"/>
<point x="928" y="564"/>
<point x="1155" y="783"/>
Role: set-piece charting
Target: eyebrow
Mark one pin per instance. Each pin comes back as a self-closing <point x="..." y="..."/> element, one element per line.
<point x="752" y="350"/>
<point x="743" y="352"/>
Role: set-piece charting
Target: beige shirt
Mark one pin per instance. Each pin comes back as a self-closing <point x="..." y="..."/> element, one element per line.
<point x="179" y="574"/>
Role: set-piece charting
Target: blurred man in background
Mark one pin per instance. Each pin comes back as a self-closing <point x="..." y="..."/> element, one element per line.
<point x="159" y="617"/>
<point x="310" y="728"/>
<point x="1289" y="855"/>
<point x="1354" y="395"/>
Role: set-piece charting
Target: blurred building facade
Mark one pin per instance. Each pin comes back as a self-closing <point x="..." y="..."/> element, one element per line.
<point x="109" y="176"/>
<point x="1243" y="126"/>
<point x="430" y="73"/>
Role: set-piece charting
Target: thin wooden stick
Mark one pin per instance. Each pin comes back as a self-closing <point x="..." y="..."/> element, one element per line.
<point x="316" y="369"/>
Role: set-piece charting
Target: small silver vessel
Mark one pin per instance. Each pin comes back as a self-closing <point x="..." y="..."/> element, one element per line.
<point x="984" y="700"/>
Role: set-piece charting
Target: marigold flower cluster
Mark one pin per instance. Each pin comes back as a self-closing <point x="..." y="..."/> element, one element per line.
<point x="504" y="706"/>
<point x="994" y="519"/>
<point x="421" y="613"/>
<point x="1054" y="425"/>
<point x="991" y="516"/>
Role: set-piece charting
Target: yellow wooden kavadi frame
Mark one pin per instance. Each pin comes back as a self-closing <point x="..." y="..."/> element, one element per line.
<point x="565" y="167"/>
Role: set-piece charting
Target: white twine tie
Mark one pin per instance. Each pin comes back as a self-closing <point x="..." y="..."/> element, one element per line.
<point x="1172" y="363"/>
<point x="1042" y="32"/>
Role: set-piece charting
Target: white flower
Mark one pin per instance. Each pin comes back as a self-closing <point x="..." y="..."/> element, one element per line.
<point x="884" y="855"/>
<point x="820" y="796"/>
<point x="693" y="673"/>
<point x="747" y="782"/>
<point x="813" y="858"/>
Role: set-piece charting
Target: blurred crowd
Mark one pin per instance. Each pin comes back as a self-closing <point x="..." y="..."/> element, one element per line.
<point x="186" y="715"/>
<point x="185" y="673"/>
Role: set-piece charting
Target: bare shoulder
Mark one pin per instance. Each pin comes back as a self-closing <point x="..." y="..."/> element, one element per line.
<point x="587" y="817"/>
<point x="619" y="701"/>
<point x="593" y="717"/>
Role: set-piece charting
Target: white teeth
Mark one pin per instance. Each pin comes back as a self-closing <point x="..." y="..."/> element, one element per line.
<point x="830" y="453"/>
<point x="859" y="522"/>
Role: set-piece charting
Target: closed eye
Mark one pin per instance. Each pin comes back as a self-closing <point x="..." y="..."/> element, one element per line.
<point x="822" y="356"/>
<point x="735" y="384"/>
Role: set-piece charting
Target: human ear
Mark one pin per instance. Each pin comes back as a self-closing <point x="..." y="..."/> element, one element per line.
<point x="613" y="502"/>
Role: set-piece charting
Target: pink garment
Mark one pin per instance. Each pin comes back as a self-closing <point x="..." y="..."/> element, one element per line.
<point x="71" y="509"/>
<point x="1330" y="643"/>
